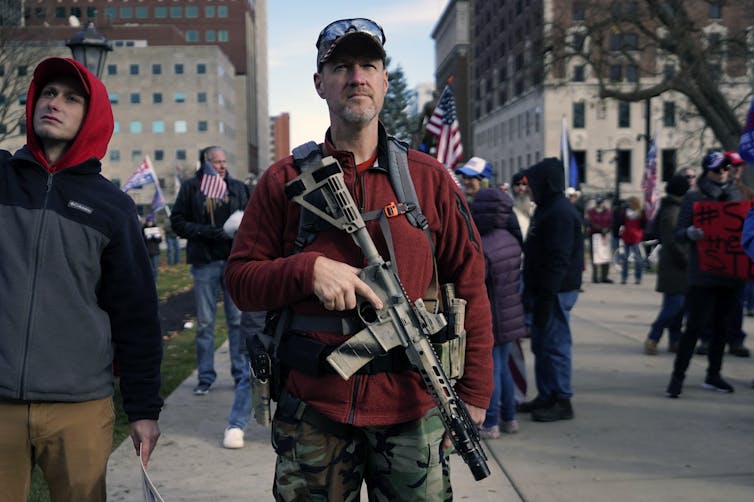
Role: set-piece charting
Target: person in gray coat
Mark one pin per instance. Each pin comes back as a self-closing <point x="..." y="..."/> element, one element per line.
<point x="672" y="274"/>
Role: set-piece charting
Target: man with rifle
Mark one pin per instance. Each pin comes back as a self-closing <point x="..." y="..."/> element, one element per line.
<point x="333" y="277"/>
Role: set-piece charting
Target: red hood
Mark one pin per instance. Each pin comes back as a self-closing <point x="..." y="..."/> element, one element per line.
<point x="93" y="137"/>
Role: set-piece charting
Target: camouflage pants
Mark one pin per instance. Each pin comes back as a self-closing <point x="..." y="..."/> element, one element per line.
<point x="402" y="462"/>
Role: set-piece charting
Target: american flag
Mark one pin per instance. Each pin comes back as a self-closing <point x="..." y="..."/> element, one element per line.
<point x="212" y="185"/>
<point x="144" y="175"/>
<point x="444" y="125"/>
<point x="649" y="182"/>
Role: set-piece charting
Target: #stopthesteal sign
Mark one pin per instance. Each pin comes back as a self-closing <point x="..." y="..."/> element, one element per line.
<point x="720" y="250"/>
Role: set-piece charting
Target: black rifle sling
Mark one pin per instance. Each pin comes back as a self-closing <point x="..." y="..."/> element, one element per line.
<point x="309" y="156"/>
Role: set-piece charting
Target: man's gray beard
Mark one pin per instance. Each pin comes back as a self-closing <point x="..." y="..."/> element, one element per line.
<point x="362" y="116"/>
<point x="523" y="203"/>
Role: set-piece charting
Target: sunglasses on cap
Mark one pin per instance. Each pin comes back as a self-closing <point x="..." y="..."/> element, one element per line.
<point x="335" y="30"/>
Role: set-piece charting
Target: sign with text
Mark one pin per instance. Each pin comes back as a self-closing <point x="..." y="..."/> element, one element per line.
<point x="720" y="250"/>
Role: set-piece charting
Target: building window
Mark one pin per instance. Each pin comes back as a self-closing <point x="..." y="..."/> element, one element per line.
<point x="624" y="114"/>
<point x="578" y="73"/>
<point x="22" y="70"/>
<point x="578" y="12"/>
<point x="158" y="126"/>
<point x="114" y="98"/>
<point x="3" y="129"/>
<point x="110" y="13"/>
<point x="222" y="11"/>
<point x="192" y="11"/>
<point x="161" y="12"/>
<point x="176" y="12"/>
<point x="180" y="126"/>
<point x="40" y="13"/>
<point x="716" y="10"/>
<point x="669" y="163"/>
<point x="60" y="12"/>
<point x="180" y="154"/>
<point x="159" y="155"/>
<point x="578" y="41"/>
<point x="616" y="73"/>
<point x="201" y="97"/>
<point x="135" y="127"/>
<point x="136" y="155"/>
<point x="142" y="12"/>
<point x="126" y="12"/>
<point x="192" y="36"/>
<point x="580" y="156"/>
<point x="209" y="11"/>
<point x="112" y="69"/>
<point x="135" y="98"/>
<point x="156" y="97"/>
<point x="222" y="35"/>
<point x="178" y="69"/>
<point x="632" y="73"/>
<point x="579" y="115"/>
<point x="157" y="69"/>
<point x="133" y="69"/>
<point x="22" y="127"/>
<point x="210" y="36"/>
<point x="623" y="158"/>
<point x="91" y="12"/>
<point x="668" y="114"/>
<point x="115" y="155"/>
<point x="116" y="127"/>
<point x="180" y="97"/>
<point x="630" y="41"/>
<point x="202" y="126"/>
<point x="668" y="71"/>
<point x="201" y="69"/>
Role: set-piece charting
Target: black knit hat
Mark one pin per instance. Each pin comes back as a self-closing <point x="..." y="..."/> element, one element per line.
<point x="677" y="185"/>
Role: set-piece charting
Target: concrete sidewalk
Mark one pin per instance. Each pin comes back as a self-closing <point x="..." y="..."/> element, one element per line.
<point x="627" y="443"/>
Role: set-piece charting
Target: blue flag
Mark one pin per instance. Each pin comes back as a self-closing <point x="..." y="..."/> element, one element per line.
<point x="746" y="145"/>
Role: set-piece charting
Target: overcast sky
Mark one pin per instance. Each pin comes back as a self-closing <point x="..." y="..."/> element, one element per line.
<point x="293" y="26"/>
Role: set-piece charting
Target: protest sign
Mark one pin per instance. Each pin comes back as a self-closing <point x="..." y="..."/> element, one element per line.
<point x="720" y="250"/>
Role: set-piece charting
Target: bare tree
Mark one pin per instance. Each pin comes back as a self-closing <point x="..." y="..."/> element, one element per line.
<point x="640" y="49"/>
<point x="20" y="49"/>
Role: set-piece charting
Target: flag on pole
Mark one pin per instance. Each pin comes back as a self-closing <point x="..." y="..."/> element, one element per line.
<point x="649" y="181"/>
<point x="444" y="125"/>
<point x="144" y="175"/>
<point x="158" y="201"/>
<point x="570" y="166"/>
<point x="746" y="145"/>
<point x="212" y="184"/>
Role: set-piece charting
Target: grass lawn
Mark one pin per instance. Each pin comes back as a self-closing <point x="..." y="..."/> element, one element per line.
<point x="179" y="360"/>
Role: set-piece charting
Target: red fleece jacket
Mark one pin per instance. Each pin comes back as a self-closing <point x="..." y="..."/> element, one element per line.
<point x="263" y="275"/>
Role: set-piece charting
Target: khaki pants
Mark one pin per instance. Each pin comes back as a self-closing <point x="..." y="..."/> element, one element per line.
<point x="71" y="443"/>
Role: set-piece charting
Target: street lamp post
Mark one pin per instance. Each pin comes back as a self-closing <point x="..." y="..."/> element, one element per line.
<point x="90" y="49"/>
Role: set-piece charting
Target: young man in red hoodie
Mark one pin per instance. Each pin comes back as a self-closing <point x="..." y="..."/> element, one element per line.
<point x="378" y="426"/>
<point x="77" y="291"/>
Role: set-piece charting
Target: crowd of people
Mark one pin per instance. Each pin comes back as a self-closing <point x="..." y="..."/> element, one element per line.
<point x="516" y="272"/>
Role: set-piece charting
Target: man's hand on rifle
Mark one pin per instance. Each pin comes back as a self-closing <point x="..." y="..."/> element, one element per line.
<point x="477" y="416"/>
<point x="337" y="284"/>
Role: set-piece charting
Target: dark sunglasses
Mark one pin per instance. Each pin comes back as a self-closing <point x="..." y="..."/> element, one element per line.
<point x="721" y="168"/>
<point x="337" y="29"/>
<point x="520" y="184"/>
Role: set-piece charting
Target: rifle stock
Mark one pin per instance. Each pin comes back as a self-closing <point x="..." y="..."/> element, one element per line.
<point x="398" y="322"/>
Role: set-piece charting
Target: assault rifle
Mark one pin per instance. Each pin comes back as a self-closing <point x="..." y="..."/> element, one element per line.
<point x="398" y="322"/>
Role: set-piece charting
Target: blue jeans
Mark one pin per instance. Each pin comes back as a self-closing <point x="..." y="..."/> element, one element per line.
<point x="155" y="262"/>
<point x="502" y="402"/>
<point x="638" y="262"/>
<point x="240" y="411"/>
<point x="670" y="317"/>
<point x="209" y="279"/>
<point x="552" y="349"/>
<point x="174" y="250"/>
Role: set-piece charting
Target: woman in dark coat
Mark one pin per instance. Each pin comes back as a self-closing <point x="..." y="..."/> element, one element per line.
<point x="492" y="210"/>
<point x="672" y="273"/>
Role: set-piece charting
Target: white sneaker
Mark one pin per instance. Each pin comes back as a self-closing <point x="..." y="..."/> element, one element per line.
<point x="233" y="438"/>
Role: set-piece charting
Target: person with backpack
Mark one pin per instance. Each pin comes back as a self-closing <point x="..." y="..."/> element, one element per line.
<point x="379" y="426"/>
<point x="672" y="280"/>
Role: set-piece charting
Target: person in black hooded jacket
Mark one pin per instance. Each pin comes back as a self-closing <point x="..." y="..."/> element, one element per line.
<point x="553" y="262"/>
